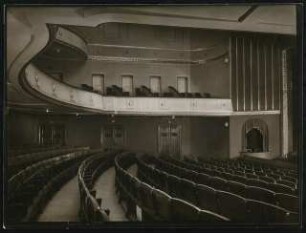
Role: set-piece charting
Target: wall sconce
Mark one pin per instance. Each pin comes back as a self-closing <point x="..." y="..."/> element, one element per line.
<point x="47" y="110"/>
<point x="226" y="60"/>
<point x="226" y="124"/>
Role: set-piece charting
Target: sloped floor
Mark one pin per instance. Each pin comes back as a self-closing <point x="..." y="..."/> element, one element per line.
<point x="64" y="205"/>
<point x="105" y="187"/>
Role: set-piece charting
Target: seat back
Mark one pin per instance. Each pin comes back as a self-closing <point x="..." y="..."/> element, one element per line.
<point x="231" y="206"/>
<point x="260" y="194"/>
<point x="206" y="197"/>
<point x="237" y="188"/>
<point x="280" y="188"/>
<point x="218" y="183"/>
<point x="173" y="185"/>
<point x="258" y="183"/>
<point x="146" y="197"/>
<point x="287" y="201"/>
<point x="182" y="211"/>
<point x="261" y="212"/>
<point x="162" y="203"/>
<point x="188" y="191"/>
<point x="203" y="179"/>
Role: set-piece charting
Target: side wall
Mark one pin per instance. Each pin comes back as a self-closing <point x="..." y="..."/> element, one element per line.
<point x="200" y="136"/>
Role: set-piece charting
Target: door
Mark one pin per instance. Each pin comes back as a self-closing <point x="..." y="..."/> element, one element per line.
<point x="113" y="136"/>
<point x="155" y="84"/>
<point x="182" y="84"/>
<point x="169" y="140"/>
<point x="127" y="84"/>
<point x="98" y="83"/>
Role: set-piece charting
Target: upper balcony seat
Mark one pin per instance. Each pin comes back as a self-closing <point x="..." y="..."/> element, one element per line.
<point x="174" y="92"/>
<point x="86" y="87"/>
<point x="146" y="91"/>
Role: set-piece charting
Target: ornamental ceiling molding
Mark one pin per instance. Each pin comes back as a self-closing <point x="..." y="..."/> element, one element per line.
<point x="152" y="48"/>
<point x="155" y="60"/>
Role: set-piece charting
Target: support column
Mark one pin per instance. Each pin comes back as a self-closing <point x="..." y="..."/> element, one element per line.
<point x="284" y="106"/>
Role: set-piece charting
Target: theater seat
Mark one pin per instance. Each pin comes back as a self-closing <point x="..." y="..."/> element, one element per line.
<point x="261" y="212"/>
<point x="240" y="179"/>
<point x="146" y="198"/>
<point x="260" y="194"/>
<point x="206" y="216"/>
<point x="162" y="203"/>
<point x="218" y="183"/>
<point x="280" y="188"/>
<point x="258" y="183"/>
<point x="173" y="185"/>
<point x="188" y="191"/>
<point x="287" y="201"/>
<point x="203" y="179"/>
<point x="231" y="206"/>
<point x="237" y="188"/>
<point x="206" y="197"/>
<point x="182" y="211"/>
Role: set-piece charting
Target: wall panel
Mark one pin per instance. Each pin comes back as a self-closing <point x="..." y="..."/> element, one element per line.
<point x="255" y="72"/>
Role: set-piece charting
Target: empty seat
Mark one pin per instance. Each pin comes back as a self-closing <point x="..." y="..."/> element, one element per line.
<point x="173" y="185"/>
<point x="231" y="206"/>
<point x="237" y="188"/>
<point x="267" y="179"/>
<point x="260" y="194"/>
<point x="206" y="197"/>
<point x="287" y="201"/>
<point x="251" y="176"/>
<point x="258" y="183"/>
<point x="261" y="212"/>
<point x="240" y="179"/>
<point x="203" y="179"/>
<point x="188" y="191"/>
<point x="162" y="203"/>
<point x="182" y="211"/>
<point x="287" y="183"/>
<point x="191" y="175"/>
<point x="146" y="198"/>
<point x="218" y="183"/>
<point x="280" y="188"/>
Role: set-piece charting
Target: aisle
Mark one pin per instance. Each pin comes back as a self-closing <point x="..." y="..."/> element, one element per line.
<point x="105" y="187"/>
<point x="64" y="205"/>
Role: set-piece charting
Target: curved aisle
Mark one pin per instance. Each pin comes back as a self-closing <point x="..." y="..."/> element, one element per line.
<point x="64" y="205"/>
<point x="105" y="187"/>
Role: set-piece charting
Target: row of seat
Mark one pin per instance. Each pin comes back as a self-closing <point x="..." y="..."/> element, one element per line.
<point x="90" y="206"/>
<point x="252" y="165"/>
<point x="243" y="177"/>
<point x="31" y="149"/>
<point x="274" y="175"/>
<point x="249" y="188"/>
<point x="144" y="91"/>
<point x="17" y="163"/>
<point x="25" y="186"/>
<point x="222" y="202"/>
<point x="156" y="205"/>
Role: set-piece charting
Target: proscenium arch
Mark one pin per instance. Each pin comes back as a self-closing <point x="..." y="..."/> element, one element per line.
<point x="257" y="125"/>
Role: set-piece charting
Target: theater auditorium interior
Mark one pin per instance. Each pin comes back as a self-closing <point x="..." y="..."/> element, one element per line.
<point x="153" y="114"/>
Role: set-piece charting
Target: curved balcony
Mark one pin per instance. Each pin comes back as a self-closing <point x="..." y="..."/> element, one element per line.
<point x="68" y="95"/>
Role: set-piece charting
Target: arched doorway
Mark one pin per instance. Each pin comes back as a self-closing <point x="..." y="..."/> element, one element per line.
<point x="254" y="140"/>
<point x="255" y="136"/>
